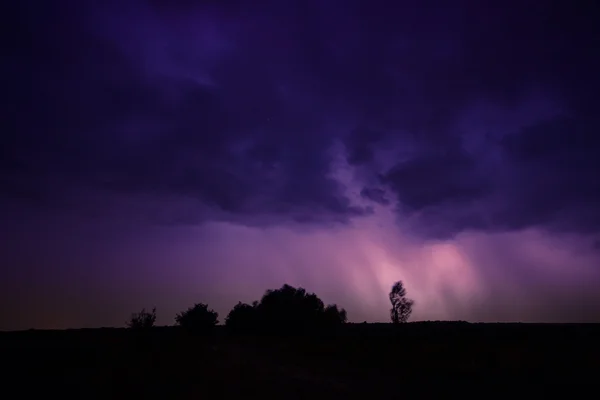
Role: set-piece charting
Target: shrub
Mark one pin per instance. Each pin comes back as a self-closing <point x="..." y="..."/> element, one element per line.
<point x="142" y="320"/>
<point x="197" y="319"/>
<point x="287" y="309"/>
<point x="242" y="317"/>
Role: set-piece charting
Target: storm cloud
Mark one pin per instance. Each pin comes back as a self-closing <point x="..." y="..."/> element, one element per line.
<point x="240" y="107"/>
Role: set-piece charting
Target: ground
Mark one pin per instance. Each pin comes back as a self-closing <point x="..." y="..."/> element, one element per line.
<point x="415" y="360"/>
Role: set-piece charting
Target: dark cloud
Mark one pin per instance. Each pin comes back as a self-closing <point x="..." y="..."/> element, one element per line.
<point x="361" y="143"/>
<point x="375" y="194"/>
<point x="95" y="119"/>
<point x="436" y="179"/>
<point x="557" y="185"/>
<point x="547" y="179"/>
<point x="234" y="107"/>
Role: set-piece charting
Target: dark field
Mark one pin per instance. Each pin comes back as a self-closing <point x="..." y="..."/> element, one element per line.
<point x="417" y="360"/>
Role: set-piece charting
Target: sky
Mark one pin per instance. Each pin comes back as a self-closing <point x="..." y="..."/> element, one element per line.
<point x="167" y="153"/>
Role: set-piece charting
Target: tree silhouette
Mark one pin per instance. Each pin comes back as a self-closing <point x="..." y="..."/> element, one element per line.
<point x="294" y="309"/>
<point x="242" y="317"/>
<point x="142" y="320"/>
<point x="401" y="306"/>
<point x="197" y="319"/>
<point x="334" y="316"/>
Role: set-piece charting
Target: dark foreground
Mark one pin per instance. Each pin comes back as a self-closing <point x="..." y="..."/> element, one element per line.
<point x="372" y="361"/>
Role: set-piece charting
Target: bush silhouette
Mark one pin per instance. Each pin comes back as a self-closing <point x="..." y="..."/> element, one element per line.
<point x="334" y="316"/>
<point x="287" y="309"/>
<point x="197" y="319"/>
<point x="242" y="317"/>
<point x="401" y="306"/>
<point x="142" y="320"/>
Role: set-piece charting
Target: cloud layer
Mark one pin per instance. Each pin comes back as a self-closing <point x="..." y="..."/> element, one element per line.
<point x="490" y="109"/>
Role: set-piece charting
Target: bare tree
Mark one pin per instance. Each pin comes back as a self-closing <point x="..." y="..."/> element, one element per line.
<point x="401" y="306"/>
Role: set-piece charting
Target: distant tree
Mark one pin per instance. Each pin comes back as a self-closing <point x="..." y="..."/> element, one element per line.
<point x="242" y="317"/>
<point x="294" y="309"/>
<point x="287" y="309"/>
<point x="334" y="316"/>
<point x="290" y="308"/>
<point x="142" y="320"/>
<point x="401" y="306"/>
<point x="197" y="319"/>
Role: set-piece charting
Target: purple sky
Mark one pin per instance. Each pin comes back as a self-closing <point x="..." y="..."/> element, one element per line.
<point x="167" y="153"/>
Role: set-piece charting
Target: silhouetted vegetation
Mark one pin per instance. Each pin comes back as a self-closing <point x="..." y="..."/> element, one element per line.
<point x="143" y="320"/>
<point x="242" y="317"/>
<point x="278" y="350"/>
<point x="197" y="319"/>
<point x="355" y="361"/>
<point x="401" y="306"/>
<point x="333" y="316"/>
<point x="287" y="309"/>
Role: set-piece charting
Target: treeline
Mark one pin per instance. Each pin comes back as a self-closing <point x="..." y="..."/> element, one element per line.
<point x="287" y="309"/>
